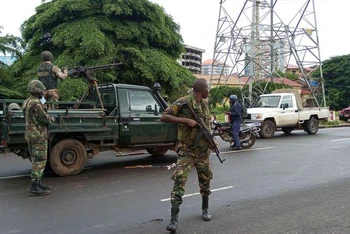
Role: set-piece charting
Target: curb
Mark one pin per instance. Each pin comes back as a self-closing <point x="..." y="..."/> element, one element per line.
<point x="334" y="126"/>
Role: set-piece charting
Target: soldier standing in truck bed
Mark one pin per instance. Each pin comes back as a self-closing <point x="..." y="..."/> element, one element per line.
<point x="49" y="74"/>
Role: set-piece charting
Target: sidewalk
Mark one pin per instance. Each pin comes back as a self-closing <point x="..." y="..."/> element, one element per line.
<point x="341" y="124"/>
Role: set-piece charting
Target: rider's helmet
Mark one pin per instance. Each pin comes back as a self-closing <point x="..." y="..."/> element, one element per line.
<point x="36" y="86"/>
<point x="233" y="98"/>
<point x="46" y="56"/>
<point x="13" y="106"/>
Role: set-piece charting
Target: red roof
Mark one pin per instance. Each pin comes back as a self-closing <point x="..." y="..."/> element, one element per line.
<point x="210" y="62"/>
<point x="234" y="80"/>
<point x="294" y="67"/>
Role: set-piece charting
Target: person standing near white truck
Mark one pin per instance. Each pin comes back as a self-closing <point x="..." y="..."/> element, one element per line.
<point x="283" y="109"/>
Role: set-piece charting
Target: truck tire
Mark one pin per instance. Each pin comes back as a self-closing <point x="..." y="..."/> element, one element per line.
<point x="287" y="131"/>
<point x="68" y="157"/>
<point x="157" y="152"/>
<point x="267" y="129"/>
<point x="249" y="143"/>
<point x="311" y="126"/>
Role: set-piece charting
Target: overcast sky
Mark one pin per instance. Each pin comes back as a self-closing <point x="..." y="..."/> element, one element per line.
<point x="198" y="21"/>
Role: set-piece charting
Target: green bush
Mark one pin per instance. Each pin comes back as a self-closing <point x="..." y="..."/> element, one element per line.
<point x="330" y="123"/>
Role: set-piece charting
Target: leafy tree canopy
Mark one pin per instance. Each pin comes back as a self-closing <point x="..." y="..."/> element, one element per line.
<point x="8" y="45"/>
<point x="137" y="33"/>
<point x="336" y="73"/>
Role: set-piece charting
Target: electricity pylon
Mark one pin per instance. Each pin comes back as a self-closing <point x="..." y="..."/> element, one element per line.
<point x="256" y="42"/>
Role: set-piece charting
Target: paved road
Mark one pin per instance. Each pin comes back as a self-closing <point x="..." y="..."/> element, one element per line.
<point x="288" y="184"/>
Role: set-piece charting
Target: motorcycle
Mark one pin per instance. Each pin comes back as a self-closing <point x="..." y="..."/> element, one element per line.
<point x="247" y="133"/>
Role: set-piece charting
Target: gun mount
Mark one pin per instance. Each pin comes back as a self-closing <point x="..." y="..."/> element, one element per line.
<point x="85" y="72"/>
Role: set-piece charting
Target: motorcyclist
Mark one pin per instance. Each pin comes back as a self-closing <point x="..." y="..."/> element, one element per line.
<point x="236" y="120"/>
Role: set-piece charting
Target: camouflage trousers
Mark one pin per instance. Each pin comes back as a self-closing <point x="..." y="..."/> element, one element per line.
<point x="53" y="96"/>
<point x="187" y="158"/>
<point x="38" y="155"/>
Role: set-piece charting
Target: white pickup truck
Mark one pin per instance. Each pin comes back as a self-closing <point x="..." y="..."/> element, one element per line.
<point x="283" y="109"/>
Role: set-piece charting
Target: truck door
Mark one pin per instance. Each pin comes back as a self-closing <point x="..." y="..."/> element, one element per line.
<point x="143" y="125"/>
<point x="289" y="115"/>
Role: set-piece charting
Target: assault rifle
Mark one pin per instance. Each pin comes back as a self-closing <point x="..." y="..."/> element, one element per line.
<point x="83" y="71"/>
<point x="206" y="133"/>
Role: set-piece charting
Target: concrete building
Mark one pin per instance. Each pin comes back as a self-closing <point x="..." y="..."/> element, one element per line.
<point x="192" y="59"/>
<point x="218" y="68"/>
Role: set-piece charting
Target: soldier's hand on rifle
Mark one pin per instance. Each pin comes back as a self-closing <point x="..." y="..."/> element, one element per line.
<point x="190" y="122"/>
<point x="52" y="119"/>
<point x="65" y="70"/>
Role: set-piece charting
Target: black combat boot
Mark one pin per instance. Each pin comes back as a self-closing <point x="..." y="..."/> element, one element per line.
<point x="43" y="186"/>
<point x="35" y="190"/>
<point x="174" y="220"/>
<point x="206" y="215"/>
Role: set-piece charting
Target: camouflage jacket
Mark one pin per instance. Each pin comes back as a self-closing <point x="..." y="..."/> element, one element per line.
<point x="37" y="120"/>
<point x="49" y="74"/>
<point x="187" y="134"/>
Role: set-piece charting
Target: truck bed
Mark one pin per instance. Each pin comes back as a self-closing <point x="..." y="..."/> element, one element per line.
<point x="320" y="112"/>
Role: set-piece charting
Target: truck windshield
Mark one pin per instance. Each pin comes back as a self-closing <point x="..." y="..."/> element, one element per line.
<point x="267" y="101"/>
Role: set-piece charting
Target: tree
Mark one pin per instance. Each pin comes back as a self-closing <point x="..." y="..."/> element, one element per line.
<point x="336" y="73"/>
<point x="9" y="44"/>
<point x="137" y="33"/>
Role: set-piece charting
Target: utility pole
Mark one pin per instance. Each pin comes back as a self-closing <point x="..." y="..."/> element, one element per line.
<point x="256" y="47"/>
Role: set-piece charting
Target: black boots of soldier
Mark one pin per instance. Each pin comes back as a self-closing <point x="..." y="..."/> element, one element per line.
<point x="174" y="220"/>
<point x="206" y="215"/>
<point x="38" y="189"/>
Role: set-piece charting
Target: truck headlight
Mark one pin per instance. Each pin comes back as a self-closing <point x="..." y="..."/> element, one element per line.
<point x="256" y="116"/>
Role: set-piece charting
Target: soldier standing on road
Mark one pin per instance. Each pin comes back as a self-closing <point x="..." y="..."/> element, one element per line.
<point x="49" y="74"/>
<point x="189" y="154"/>
<point x="236" y="119"/>
<point x="36" y="135"/>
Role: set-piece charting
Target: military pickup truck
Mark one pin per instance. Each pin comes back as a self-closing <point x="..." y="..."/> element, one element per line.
<point x="284" y="109"/>
<point x="116" y="117"/>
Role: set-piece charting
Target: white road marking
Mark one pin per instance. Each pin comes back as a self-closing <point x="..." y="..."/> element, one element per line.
<point x="11" y="177"/>
<point x="245" y="150"/>
<point x="343" y="139"/>
<point x="194" y="194"/>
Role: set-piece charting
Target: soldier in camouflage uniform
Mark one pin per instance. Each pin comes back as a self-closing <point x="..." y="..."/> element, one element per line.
<point x="36" y="135"/>
<point x="49" y="74"/>
<point x="190" y="152"/>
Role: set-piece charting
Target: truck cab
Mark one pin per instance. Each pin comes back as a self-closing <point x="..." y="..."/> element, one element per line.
<point x="137" y="109"/>
<point x="282" y="107"/>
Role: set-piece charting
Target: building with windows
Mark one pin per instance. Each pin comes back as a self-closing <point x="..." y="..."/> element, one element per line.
<point x="192" y="59"/>
<point x="210" y="66"/>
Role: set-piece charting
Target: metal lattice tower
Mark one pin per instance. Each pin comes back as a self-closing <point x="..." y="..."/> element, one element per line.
<point x="257" y="42"/>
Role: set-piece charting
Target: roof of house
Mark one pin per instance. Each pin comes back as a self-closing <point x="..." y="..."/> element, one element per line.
<point x="210" y="62"/>
<point x="234" y="80"/>
<point x="294" y="67"/>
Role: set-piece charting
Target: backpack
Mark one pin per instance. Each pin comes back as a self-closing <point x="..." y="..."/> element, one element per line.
<point x="244" y="113"/>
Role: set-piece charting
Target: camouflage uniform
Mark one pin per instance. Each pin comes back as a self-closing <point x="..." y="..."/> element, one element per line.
<point x="49" y="74"/>
<point x="36" y="135"/>
<point x="189" y="154"/>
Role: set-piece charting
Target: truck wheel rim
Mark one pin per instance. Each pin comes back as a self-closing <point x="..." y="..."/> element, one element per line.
<point x="68" y="157"/>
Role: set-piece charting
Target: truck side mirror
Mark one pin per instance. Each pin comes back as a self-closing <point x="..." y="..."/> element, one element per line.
<point x="156" y="112"/>
<point x="282" y="106"/>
